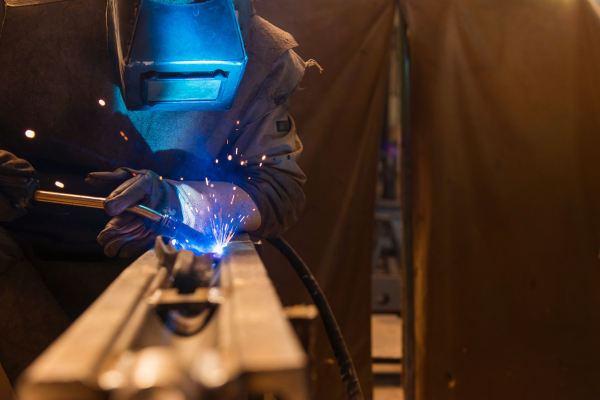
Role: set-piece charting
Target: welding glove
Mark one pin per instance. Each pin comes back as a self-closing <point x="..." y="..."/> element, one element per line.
<point x="18" y="182"/>
<point x="127" y="234"/>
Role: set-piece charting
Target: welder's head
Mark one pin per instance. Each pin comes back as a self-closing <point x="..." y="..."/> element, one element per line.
<point x="178" y="55"/>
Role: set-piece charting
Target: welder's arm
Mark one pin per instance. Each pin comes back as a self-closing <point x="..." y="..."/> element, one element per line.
<point x="271" y="176"/>
<point x="18" y="182"/>
<point x="269" y="147"/>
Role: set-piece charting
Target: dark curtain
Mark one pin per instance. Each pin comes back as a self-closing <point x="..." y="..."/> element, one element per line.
<point x="339" y="118"/>
<point x="505" y="128"/>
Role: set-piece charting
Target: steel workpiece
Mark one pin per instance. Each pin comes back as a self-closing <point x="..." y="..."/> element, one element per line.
<point x="238" y="341"/>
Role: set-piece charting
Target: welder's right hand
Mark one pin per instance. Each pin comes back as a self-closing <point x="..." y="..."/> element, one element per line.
<point x="126" y="234"/>
<point x="18" y="182"/>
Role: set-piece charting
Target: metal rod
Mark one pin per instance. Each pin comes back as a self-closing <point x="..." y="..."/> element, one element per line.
<point x="71" y="199"/>
<point x="145" y="212"/>
<point x="92" y="202"/>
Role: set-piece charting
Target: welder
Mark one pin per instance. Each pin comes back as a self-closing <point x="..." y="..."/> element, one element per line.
<point x="172" y="104"/>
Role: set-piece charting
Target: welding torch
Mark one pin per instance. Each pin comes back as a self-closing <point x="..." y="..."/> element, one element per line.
<point x="164" y="224"/>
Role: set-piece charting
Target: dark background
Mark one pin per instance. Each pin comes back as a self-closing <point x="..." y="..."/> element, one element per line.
<point x="339" y="117"/>
<point x="505" y="128"/>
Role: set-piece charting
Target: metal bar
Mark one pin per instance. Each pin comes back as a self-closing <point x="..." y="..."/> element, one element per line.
<point x="259" y="333"/>
<point x="69" y="368"/>
<point x="70" y="199"/>
<point x="247" y="347"/>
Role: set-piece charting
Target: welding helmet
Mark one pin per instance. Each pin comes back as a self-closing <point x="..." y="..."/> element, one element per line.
<point x="178" y="55"/>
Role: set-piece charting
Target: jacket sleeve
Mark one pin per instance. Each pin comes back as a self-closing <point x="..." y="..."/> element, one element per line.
<point x="266" y="148"/>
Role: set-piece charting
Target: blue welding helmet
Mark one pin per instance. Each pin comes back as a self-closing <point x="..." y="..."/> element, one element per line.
<point x="178" y="55"/>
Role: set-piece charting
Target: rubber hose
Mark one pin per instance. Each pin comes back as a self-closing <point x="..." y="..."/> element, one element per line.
<point x="342" y="355"/>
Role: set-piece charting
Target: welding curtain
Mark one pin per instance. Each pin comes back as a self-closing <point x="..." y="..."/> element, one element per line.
<point x="505" y="130"/>
<point x="338" y="114"/>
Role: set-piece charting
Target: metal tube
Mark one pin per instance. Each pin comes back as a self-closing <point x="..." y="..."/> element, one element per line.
<point x="145" y="212"/>
<point x="71" y="199"/>
<point x="92" y="202"/>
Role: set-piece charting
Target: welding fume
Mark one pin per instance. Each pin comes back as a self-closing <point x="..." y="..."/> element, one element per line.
<point x="178" y="107"/>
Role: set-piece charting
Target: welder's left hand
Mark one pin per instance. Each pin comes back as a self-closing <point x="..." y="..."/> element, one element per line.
<point x="127" y="234"/>
<point x="18" y="182"/>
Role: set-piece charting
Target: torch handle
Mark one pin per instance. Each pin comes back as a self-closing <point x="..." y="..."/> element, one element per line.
<point x="71" y="199"/>
<point x="92" y="202"/>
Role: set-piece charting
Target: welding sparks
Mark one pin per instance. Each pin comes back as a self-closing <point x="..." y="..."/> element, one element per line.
<point x="217" y="161"/>
<point x="30" y="134"/>
<point x="206" y="179"/>
<point x="260" y="165"/>
<point x="101" y="102"/>
<point x="222" y="233"/>
<point x="222" y="230"/>
<point x="229" y="157"/>
<point x="236" y="150"/>
<point x="264" y="158"/>
<point x="59" y="184"/>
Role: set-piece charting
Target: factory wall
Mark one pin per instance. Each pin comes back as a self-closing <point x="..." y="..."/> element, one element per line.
<point x="505" y="128"/>
<point x="339" y="114"/>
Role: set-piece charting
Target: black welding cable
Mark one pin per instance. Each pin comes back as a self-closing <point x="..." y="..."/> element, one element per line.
<point x="334" y="334"/>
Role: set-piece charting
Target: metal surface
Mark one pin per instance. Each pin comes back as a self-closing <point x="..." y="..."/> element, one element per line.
<point x="122" y="348"/>
<point x="71" y="199"/>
